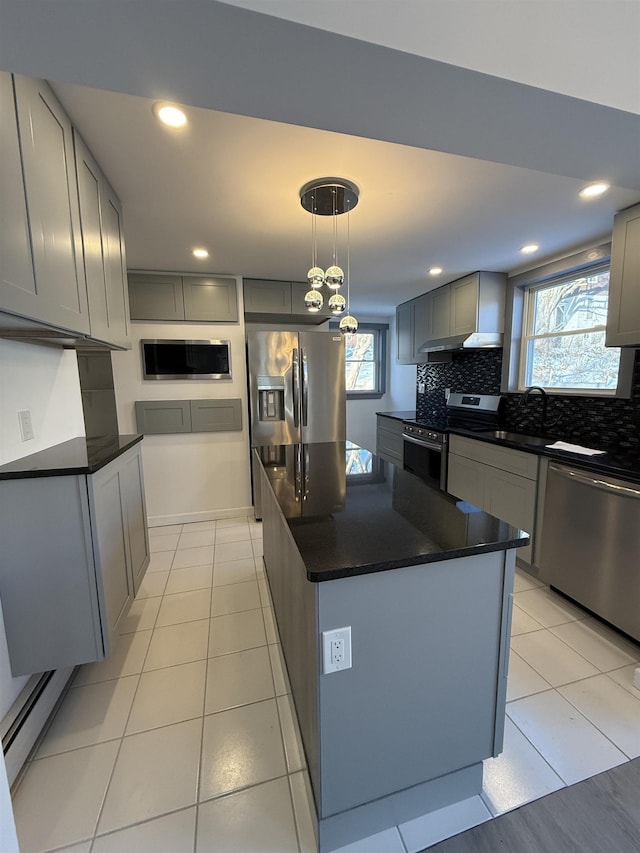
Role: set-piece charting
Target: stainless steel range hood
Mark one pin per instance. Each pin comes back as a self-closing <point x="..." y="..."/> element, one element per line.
<point x="457" y="343"/>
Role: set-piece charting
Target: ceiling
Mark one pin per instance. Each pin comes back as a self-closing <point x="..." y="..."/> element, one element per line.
<point x="455" y="168"/>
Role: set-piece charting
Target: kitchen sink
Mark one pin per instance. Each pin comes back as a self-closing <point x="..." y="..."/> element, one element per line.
<point x="517" y="437"/>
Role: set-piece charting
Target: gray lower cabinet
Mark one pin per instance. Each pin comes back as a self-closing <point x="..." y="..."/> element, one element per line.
<point x="499" y="480"/>
<point x="74" y="552"/>
<point x="56" y="293"/>
<point x="103" y="251"/>
<point x="194" y="298"/>
<point x="623" y="317"/>
<point x="389" y="441"/>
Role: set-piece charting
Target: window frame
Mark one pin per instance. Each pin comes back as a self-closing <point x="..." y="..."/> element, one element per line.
<point x="380" y="360"/>
<point x="528" y="334"/>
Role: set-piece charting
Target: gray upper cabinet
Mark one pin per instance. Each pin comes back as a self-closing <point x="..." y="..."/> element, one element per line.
<point x="405" y="317"/>
<point x="17" y="283"/>
<point x="464" y="305"/>
<point x="299" y="290"/>
<point x="46" y="139"/>
<point x="103" y="251"/>
<point x="270" y="301"/>
<point x="439" y="313"/>
<point x="623" y="319"/>
<point x="159" y="296"/>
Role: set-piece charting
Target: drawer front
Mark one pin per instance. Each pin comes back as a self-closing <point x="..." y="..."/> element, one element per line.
<point x="465" y="479"/>
<point x="515" y="461"/>
<point x="390" y="424"/>
<point x="389" y="444"/>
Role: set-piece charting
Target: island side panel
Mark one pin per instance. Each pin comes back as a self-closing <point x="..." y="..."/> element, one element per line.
<point x="420" y="700"/>
<point x="295" y="606"/>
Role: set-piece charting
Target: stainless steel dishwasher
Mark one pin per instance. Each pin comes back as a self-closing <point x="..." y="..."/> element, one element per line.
<point x="591" y="543"/>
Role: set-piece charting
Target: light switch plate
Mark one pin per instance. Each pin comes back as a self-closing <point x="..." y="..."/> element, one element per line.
<point x="26" y="426"/>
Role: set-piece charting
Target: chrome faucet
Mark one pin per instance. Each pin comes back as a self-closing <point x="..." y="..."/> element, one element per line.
<point x="545" y="399"/>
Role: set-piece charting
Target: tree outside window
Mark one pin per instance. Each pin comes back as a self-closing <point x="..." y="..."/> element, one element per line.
<point x="365" y="361"/>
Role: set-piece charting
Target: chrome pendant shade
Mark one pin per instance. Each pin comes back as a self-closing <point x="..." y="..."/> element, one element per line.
<point x="328" y="197"/>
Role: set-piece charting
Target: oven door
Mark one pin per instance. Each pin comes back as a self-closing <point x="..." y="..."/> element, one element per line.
<point x="428" y="460"/>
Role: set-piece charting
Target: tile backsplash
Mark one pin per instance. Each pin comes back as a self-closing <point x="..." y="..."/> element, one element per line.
<point x="592" y="421"/>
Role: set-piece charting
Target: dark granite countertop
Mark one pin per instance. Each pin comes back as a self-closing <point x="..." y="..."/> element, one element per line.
<point x="76" y="456"/>
<point x="400" y="416"/>
<point x="616" y="462"/>
<point x="375" y="518"/>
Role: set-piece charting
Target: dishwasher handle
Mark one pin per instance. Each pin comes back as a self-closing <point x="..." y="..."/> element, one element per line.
<point x="604" y="485"/>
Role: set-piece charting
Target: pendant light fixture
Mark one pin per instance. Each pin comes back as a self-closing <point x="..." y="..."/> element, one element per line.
<point x="328" y="197"/>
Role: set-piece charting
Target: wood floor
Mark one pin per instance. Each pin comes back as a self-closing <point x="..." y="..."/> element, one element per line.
<point x="599" y="815"/>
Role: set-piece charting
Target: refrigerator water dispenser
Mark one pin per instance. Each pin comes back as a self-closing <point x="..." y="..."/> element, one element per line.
<point x="271" y="398"/>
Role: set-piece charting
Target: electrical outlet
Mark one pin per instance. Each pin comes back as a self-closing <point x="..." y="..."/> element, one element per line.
<point x="336" y="650"/>
<point x="26" y="427"/>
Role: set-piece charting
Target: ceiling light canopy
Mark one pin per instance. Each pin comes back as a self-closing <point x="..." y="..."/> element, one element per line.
<point x="329" y="197"/>
<point x="529" y="248"/>
<point x="594" y="190"/>
<point x="169" y="114"/>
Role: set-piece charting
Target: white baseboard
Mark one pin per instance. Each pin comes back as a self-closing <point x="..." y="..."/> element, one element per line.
<point x="204" y="515"/>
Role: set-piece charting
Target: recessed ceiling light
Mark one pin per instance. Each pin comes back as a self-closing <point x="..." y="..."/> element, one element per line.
<point x="169" y="114"/>
<point x="435" y="271"/>
<point x="200" y="253"/>
<point x="594" y="190"/>
<point x="529" y="248"/>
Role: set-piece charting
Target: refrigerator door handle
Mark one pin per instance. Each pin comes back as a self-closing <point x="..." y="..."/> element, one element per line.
<point x="295" y="376"/>
<point x="305" y="387"/>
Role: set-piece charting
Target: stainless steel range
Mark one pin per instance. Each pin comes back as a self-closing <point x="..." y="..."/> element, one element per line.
<point x="425" y="440"/>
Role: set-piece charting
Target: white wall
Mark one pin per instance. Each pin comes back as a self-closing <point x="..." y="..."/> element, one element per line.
<point x="8" y="838"/>
<point x="196" y="476"/>
<point x="400" y="393"/>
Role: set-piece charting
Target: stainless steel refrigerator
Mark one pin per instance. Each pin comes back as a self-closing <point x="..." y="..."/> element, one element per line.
<point x="296" y="390"/>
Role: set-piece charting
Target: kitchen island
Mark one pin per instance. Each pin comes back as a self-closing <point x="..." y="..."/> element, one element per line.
<point x="424" y="582"/>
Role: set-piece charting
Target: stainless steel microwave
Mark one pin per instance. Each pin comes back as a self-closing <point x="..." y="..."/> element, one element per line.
<point x="178" y="359"/>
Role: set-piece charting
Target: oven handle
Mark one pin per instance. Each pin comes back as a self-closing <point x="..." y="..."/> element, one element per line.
<point x="429" y="445"/>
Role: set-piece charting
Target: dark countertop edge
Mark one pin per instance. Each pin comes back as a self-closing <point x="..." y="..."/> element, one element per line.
<point x="438" y="557"/>
<point x="606" y="463"/>
<point x="409" y="415"/>
<point x="117" y="445"/>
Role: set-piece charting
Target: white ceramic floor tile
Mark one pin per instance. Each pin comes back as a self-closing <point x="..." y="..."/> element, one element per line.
<point x="238" y="533"/>
<point x="238" y="679"/>
<point x="156" y="772"/>
<point x="196" y="538"/>
<point x="233" y="550"/>
<point x="172" y="833"/>
<point x="236" y="632"/>
<point x="388" y="841"/>
<point x="518" y="775"/>
<point x="547" y="607"/>
<point x="443" y="823"/>
<point x="142" y="615"/>
<point x="127" y="658"/>
<point x="624" y="677"/>
<point x="573" y="747"/>
<point x="257" y="546"/>
<point x="523" y="680"/>
<point x="294" y="752"/>
<point x="58" y="801"/>
<point x="184" y="607"/>
<point x="83" y="847"/>
<point x="265" y="596"/>
<point x="554" y="660"/>
<point x="176" y="644"/>
<point x="164" y="530"/>
<point x="153" y="585"/>
<point x="235" y="597"/>
<point x="241" y="747"/>
<point x="259" y="820"/>
<point x="163" y="543"/>
<point x="160" y="562"/>
<point x="90" y="714"/>
<point x="600" y="645"/>
<point x="609" y="707"/>
<point x="195" y="526"/>
<point x="270" y="626"/>
<point x="525" y="580"/>
<point x="234" y="571"/>
<point x="259" y="561"/>
<point x="186" y="557"/>
<point x="230" y="522"/>
<point x="193" y="577"/>
<point x="255" y="529"/>
<point x="280" y="677"/>
<point x="304" y="811"/>
<point x="522" y="623"/>
<point x="169" y="695"/>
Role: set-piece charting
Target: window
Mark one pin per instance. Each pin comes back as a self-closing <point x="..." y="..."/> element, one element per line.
<point x="563" y="335"/>
<point x="365" y="361"/>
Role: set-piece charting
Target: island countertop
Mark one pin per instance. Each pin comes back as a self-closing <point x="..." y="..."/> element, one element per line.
<point x="352" y="513"/>
<point x="76" y="456"/>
